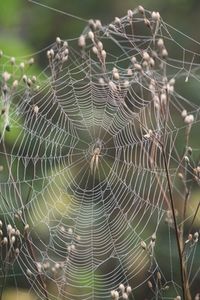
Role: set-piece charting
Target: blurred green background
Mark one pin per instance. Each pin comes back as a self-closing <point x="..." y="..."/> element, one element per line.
<point x="26" y="28"/>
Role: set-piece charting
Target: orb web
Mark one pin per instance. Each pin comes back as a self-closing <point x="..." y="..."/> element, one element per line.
<point x="86" y="170"/>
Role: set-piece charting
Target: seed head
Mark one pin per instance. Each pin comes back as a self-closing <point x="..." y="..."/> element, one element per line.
<point x="31" y="61"/>
<point x="28" y="272"/>
<point x="26" y="227"/>
<point x="12" y="61"/>
<point x="58" y="40"/>
<point x="81" y="41"/>
<point x="189" y="119"/>
<point x="164" y="53"/>
<point x="91" y="35"/>
<point x="24" y="78"/>
<point x="141" y="9"/>
<point x="149" y="284"/>
<point x="15" y="84"/>
<point x="22" y="65"/>
<point x="122" y="287"/>
<point x="130" y="14"/>
<point x="5" y="240"/>
<point x="117" y="21"/>
<point x="94" y="50"/>
<point x="98" y="24"/>
<point x="184" y="113"/>
<point x="128" y="289"/>
<point x="103" y="54"/>
<point x="12" y="240"/>
<point x="146" y="56"/>
<point x="9" y="228"/>
<point x="159" y="276"/>
<point x="143" y="245"/>
<point x="160" y="43"/>
<point x="35" y="109"/>
<point x="112" y="293"/>
<point x="137" y="67"/>
<point x="17" y="251"/>
<point x="125" y="296"/>
<point x="6" y="76"/>
<point x="155" y="16"/>
<point x="70" y="231"/>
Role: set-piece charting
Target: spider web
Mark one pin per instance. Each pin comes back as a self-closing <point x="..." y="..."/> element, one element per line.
<point x="86" y="169"/>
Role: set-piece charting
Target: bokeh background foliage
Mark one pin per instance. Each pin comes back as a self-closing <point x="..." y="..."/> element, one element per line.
<point x="26" y="28"/>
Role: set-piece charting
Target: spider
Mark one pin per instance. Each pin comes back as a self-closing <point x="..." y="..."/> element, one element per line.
<point x="95" y="157"/>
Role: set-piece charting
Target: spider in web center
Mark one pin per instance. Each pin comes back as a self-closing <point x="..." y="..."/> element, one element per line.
<point x="96" y="153"/>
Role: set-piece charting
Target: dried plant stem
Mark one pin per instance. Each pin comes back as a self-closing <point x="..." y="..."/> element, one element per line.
<point x="182" y="264"/>
<point x="26" y="237"/>
<point x="31" y="252"/>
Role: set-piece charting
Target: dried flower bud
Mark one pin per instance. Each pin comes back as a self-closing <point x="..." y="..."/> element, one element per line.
<point x="98" y="24"/>
<point x="31" y="61"/>
<point x="91" y="35"/>
<point x="22" y="65"/>
<point x="184" y="113"/>
<point x="164" y="53"/>
<point x="180" y="176"/>
<point x="112" y="86"/>
<point x="35" y="109"/>
<point x="115" y="73"/>
<point x="94" y="50"/>
<point x="9" y="228"/>
<point x="143" y="245"/>
<point x="147" y="23"/>
<point x="26" y="227"/>
<point x="137" y="67"/>
<point x="24" y="78"/>
<point x="189" y="119"/>
<point x="141" y="9"/>
<point x="155" y="16"/>
<point x="160" y="43"/>
<point x="112" y="293"/>
<point x="130" y="14"/>
<point x="159" y="276"/>
<point x="128" y="289"/>
<point x="189" y="151"/>
<point x="146" y="56"/>
<point x="117" y="21"/>
<point x="12" y="240"/>
<point x="122" y="287"/>
<point x="81" y="41"/>
<point x="6" y="76"/>
<point x="186" y="158"/>
<point x="12" y="60"/>
<point x="70" y="231"/>
<point x="103" y="54"/>
<point x="58" y="40"/>
<point x="15" y="84"/>
<point x="116" y="295"/>
<point x="28" y="272"/>
<point x="100" y="45"/>
<point x="5" y="240"/>
<point x="125" y="296"/>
